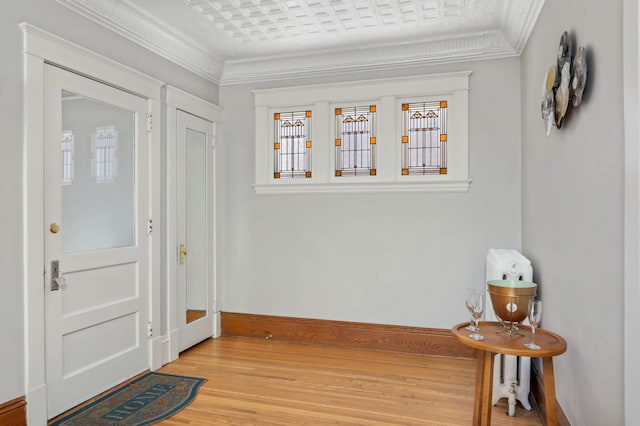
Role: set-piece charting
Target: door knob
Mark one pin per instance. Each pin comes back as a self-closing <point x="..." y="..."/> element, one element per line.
<point x="183" y="253"/>
<point x="54" y="228"/>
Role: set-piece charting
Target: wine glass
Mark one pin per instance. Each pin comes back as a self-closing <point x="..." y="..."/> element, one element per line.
<point x="469" y="294"/>
<point x="477" y="304"/>
<point x="535" y="315"/>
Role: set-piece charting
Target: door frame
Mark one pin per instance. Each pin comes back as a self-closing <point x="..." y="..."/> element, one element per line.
<point x="175" y="100"/>
<point x="42" y="47"/>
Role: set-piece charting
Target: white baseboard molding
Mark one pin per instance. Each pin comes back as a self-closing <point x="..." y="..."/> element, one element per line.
<point x="217" y="324"/>
<point x="174" y="345"/>
<point x="156" y="352"/>
<point x="37" y="406"/>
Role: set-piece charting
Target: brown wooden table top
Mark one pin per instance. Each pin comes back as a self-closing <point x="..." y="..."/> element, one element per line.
<point x="496" y="341"/>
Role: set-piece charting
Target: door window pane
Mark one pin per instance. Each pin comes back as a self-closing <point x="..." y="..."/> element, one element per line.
<point x="98" y="209"/>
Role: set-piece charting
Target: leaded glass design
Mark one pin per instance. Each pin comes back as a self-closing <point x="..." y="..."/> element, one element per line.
<point x="66" y="146"/>
<point x="105" y="157"/>
<point x="424" y="138"/>
<point x="292" y="145"/>
<point x="356" y="141"/>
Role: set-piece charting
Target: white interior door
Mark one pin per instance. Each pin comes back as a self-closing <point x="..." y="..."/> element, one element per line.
<point x="195" y="228"/>
<point x="96" y="239"/>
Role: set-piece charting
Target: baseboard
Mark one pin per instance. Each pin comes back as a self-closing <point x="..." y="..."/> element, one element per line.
<point x="14" y="412"/>
<point x="173" y="349"/>
<point x="537" y="394"/>
<point x="393" y="338"/>
<point x="37" y="405"/>
<point x="166" y="350"/>
<point x="217" y="328"/>
<point x="156" y="356"/>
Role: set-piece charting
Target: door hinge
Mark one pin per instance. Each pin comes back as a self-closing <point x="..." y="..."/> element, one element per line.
<point x="149" y="226"/>
<point x="150" y="122"/>
<point x="149" y="329"/>
<point x="213" y="141"/>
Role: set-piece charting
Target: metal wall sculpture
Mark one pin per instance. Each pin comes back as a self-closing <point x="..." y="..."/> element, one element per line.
<point x="564" y="83"/>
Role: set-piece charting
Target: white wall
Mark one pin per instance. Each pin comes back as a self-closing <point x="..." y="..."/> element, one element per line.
<point x="573" y="209"/>
<point x="47" y="14"/>
<point x="631" y="57"/>
<point x="380" y="258"/>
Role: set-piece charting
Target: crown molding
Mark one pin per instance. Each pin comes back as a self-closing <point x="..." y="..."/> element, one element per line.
<point x="129" y="21"/>
<point x="518" y="21"/>
<point x="471" y="47"/>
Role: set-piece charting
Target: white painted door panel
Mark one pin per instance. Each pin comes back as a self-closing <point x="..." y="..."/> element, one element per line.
<point x="97" y="192"/>
<point x="195" y="228"/>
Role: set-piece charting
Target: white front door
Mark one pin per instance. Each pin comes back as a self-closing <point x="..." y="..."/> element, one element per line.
<point x="195" y="228"/>
<point x="96" y="209"/>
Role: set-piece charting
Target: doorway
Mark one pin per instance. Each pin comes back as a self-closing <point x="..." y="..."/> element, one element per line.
<point x="92" y="298"/>
<point x="192" y="309"/>
<point x="195" y="228"/>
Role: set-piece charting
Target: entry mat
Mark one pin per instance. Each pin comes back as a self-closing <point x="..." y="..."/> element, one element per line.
<point x="144" y="401"/>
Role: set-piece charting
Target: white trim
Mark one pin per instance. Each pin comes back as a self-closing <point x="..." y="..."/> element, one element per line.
<point x="58" y="51"/>
<point x="33" y="240"/>
<point x="177" y="100"/>
<point x="217" y="323"/>
<point x="155" y="268"/>
<point x="40" y="47"/>
<point x="476" y="46"/>
<point x="387" y="95"/>
<point x="378" y="187"/>
<point x="518" y="22"/>
<point x="631" y="77"/>
<point x="170" y="230"/>
<point x="187" y="102"/>
<point x="132" y="23"/>
<point x="354" y="91"/>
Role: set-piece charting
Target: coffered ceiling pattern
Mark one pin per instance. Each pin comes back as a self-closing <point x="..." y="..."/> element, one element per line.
<point x="237" y="41"/>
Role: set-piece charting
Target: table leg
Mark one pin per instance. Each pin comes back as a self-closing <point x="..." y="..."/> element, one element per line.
<point x="484" y="387"/>
<point x="550" y="391"/>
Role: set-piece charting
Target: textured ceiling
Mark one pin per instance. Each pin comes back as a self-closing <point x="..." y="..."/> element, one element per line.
<point x="254" y="26"/>
<point x="230" y="41"/>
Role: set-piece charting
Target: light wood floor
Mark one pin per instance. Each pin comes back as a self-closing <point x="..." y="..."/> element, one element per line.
<point x="266" y="382"/>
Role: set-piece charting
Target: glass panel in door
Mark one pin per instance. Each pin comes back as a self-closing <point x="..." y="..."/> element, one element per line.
<point x="196" y="224"/>
<point x="98" y="175"/>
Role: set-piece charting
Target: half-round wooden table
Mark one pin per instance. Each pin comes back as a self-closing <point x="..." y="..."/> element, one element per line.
<point x="497" y="342"/>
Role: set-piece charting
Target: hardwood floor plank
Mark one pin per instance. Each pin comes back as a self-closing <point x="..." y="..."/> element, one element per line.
<point x="263" y="382"/>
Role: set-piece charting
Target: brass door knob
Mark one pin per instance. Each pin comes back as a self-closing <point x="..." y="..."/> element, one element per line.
<point x="54" y="228"/>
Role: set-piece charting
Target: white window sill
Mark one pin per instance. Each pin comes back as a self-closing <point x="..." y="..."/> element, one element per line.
<point x="378" y="187"/>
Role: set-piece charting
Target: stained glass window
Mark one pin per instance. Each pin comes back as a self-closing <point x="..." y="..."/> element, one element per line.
<point x="424" y="138"/>
<point x="292" y="145"/>
<point x="355" y="141"/>
<point x="105" y="158"/>
<point x="66" y="145"/>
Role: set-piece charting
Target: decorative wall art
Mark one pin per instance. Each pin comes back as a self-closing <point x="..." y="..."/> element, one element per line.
<point x="563" y="83"/>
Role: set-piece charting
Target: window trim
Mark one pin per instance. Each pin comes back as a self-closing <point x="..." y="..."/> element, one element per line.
<point x="388" y="95"/>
